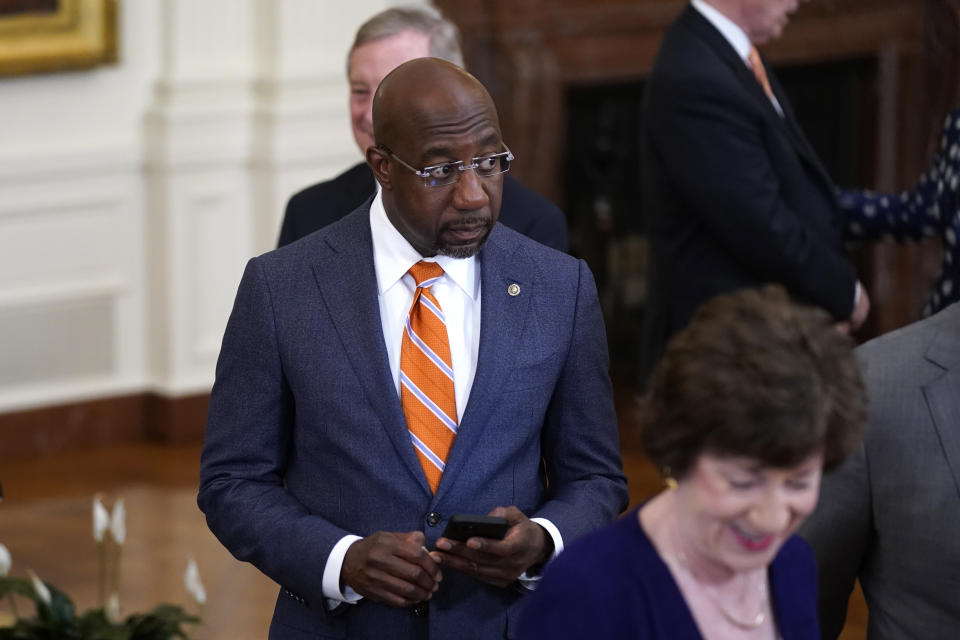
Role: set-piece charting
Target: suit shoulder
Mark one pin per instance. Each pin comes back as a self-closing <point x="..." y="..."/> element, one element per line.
<point x="516" y="195"/>
<point x="526" y="211"/>
<point x="543" y="255"/>
<point x="354" y="180"/>
<point x="304" y="250"/>
<point x="913" y="340"/>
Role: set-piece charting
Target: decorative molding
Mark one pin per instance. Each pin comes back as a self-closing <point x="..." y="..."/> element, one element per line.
<point x="20" y="167"/>
<point x="63" y="289"/>
<point x="79" y="34"/>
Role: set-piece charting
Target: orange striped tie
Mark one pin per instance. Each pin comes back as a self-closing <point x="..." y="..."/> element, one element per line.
<point x="757" y="66"/>
<point x="426" y="376"/>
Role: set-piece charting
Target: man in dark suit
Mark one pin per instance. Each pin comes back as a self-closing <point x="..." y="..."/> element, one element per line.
<point x="733" y="193"/>
<point x="890" y="515"/>
<point x="383" y="42"/>
<point x="315" y="468"/>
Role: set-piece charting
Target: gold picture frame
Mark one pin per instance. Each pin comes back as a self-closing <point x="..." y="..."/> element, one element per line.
<point x="72" y="34"/>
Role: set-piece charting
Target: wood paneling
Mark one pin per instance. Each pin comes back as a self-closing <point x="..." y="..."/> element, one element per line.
<point x="95" y="423"/>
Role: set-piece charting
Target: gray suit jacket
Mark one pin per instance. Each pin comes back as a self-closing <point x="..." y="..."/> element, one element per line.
<point x="306" y="440"/>
<point x="890" y="515"/>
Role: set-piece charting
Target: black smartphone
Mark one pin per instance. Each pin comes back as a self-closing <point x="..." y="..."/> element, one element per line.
<point x="464" y="525"/>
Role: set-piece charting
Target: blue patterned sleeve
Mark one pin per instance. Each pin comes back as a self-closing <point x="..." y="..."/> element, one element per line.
<point x="914" y="214"/>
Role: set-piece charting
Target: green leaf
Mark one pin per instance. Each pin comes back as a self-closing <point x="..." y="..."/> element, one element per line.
<point x="61" y="607"/>
<point x="18" y="586"/>
<point x="163" y="623"/>
<point x="94" y="625"/>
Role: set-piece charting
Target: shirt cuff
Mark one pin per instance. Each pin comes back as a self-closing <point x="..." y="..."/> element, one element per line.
<point x="331" y="575"/>
<point x="529" y="582"/>
<point x="856" y="295"/>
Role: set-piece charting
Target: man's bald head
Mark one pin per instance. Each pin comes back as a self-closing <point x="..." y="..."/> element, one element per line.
<point x="417" y="90"/>
<point x="432" y="119"/>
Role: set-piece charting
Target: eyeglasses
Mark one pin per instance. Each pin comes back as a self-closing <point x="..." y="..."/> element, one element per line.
<point x="440" y="175"/>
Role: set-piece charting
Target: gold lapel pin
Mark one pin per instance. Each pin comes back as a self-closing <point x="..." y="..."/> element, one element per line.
<point x="513" y="289"/>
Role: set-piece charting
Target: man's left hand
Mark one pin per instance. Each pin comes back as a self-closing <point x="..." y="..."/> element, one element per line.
<point x="499" y="562"/>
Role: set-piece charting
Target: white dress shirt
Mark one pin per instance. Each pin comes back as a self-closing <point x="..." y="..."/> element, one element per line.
<point x="458" y="293"/>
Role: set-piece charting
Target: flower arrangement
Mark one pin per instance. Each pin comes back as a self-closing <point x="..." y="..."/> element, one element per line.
<point x="55" y="616"/>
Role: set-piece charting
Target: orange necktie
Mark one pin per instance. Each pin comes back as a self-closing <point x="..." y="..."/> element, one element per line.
<point x="426" y="376"/>
<point x="757" y="66"/>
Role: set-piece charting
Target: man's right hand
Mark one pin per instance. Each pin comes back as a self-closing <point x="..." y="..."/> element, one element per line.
<point x="860" y="310"/>
<point x="391" y="568"/>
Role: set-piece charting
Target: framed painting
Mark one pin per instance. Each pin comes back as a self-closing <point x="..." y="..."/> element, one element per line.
<point x="56" y="35"/>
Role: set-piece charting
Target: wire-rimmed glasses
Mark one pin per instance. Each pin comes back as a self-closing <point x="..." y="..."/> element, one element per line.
<point x="440" y="175"/>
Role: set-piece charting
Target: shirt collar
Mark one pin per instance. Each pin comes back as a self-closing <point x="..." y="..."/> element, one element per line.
<point x="393" y="255"/>
<point x="732" y="32"/>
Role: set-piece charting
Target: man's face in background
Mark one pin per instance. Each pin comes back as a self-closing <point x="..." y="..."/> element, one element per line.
<point x="368" y="65"/>
<point x="765" y="20"/>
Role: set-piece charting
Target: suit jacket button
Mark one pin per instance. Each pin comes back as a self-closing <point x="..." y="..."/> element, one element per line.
<point x="434" y="518"/>
<point x="421" y="610"/>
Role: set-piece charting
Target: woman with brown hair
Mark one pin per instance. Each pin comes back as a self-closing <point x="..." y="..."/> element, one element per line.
<point x="751" y="402"/>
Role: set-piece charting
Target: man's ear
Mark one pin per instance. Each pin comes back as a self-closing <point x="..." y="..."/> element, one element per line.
<point x="379" y="162"/>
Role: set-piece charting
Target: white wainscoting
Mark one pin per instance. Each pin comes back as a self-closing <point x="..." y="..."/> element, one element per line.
<point x="72" y="277"/>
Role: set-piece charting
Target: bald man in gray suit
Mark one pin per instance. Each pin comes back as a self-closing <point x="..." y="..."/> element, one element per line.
<point x="890" y="515"/>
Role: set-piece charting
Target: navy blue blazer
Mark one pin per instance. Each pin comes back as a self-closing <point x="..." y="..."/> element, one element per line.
<point x="306" y="441"/>
<point x="613" y="584"/>
<point x="522" y="209"/>
<point x="734" y="195"/>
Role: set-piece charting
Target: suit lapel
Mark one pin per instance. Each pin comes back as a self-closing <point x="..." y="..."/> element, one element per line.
<point x="502" y="317"/>
<point x="729" y="56"/>
<point x="943" y="393"/>
<point x="347" y="281"/>
<point x="788" y="123"/>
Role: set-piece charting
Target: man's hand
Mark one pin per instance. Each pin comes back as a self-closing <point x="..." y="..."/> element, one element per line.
<point x="499" y="562"/>
<point x="392" y="568"/>
<point x="861" y="309"/>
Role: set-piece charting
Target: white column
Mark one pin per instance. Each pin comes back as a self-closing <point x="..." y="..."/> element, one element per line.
<point x="199" y="195"/>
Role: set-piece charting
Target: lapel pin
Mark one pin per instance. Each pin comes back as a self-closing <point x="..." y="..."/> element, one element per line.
<point x="513" y="289"/>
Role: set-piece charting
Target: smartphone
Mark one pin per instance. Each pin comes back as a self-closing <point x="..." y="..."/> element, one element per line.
<point x="464" y="525"/>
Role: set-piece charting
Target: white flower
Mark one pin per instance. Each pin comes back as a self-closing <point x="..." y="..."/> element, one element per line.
<point x="5" y="560"/>
<point x="113" y="606"/>
<point x="101" y="519"/>
<point x="192" y="581"/>
<point x="42" y="592"/>
<point x="118" y="524"/>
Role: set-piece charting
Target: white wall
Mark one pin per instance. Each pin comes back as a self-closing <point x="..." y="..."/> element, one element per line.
<point x="132" y="195"/>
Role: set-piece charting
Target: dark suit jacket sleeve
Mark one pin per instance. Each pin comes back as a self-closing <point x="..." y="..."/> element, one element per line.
<point x="242" y="467"/>
<point x="580" y="441"/>
<point x="840" y="532"/>
<point x="713" y="145"/>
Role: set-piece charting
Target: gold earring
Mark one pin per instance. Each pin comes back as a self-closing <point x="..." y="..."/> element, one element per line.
<point x="668" y="480"/>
